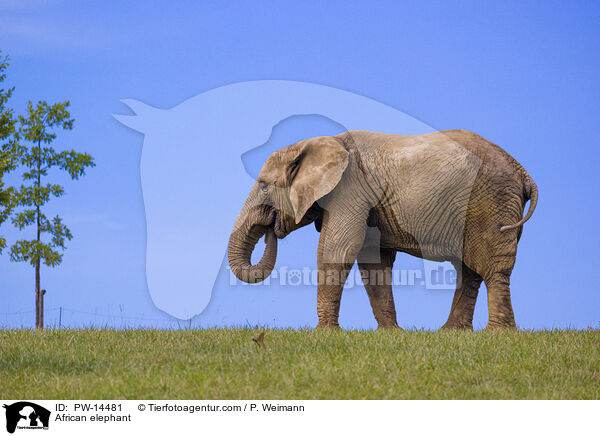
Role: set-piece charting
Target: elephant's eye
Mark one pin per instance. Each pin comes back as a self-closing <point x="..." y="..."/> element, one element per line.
<point x="264" y="187"/>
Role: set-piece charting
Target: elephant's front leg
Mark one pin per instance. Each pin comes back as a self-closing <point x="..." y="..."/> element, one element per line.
<point x="377" y="278"/>
<point x="342" y="236"/>
<point x="329" y="294"/>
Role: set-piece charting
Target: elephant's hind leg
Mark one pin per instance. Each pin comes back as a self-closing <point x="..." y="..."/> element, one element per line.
<point x="377" y="278"/>
<point x="497" y="280"/>
<point x="501" y="315"/>
<point x="463" y="304"/>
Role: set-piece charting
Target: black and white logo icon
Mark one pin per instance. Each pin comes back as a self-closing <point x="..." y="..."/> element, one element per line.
<point x="26" y="415"/>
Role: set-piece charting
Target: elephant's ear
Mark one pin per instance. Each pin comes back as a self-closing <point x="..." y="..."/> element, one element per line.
<point x="315" y="171"/>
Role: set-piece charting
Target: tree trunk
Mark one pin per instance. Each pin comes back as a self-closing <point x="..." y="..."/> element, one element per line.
<point x="39" y="296"/>
<point x="39" y="299"/>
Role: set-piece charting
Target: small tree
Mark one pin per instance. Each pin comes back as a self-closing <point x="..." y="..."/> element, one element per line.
<point x="37" y="128"/>
<point x="10" y="150"/>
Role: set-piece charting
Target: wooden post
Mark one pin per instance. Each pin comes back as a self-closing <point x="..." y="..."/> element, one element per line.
<point x="39" y="308"/>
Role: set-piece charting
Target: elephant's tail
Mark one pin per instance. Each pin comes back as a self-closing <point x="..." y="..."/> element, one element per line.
<point x="531" y="193"/>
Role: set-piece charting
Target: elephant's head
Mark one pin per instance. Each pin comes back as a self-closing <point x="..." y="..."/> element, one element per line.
<point x="284" y="199"/>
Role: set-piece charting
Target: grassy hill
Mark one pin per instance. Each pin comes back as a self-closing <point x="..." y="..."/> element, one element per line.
<point x="304" y="364"/>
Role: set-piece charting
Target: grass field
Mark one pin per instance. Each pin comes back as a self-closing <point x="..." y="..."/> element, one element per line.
<point x="226" y="364"/>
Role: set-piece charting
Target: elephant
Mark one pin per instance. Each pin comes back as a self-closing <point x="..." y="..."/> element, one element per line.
<point x="444" y="196"/>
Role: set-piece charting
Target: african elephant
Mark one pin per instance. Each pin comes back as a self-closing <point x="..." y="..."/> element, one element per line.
<point x="444" y="196"/>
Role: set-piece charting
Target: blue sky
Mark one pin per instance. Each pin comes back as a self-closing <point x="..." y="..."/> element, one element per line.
<point x="522" y="74"/>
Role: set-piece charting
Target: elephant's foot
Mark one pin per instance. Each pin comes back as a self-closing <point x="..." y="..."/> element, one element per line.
<point x="328" y="325"/>
<point x="501" y="321"/>
<point x="500" y="326"/>
<point x="457" y="325"/>
<point x="392" y="325"/>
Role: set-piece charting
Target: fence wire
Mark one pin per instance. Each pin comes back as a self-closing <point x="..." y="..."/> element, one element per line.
<point x="66" y="317"/>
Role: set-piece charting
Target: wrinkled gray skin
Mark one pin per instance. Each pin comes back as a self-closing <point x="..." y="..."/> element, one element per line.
<point x="441" y="196"/>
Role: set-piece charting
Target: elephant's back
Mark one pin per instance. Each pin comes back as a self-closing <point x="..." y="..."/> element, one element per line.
<point x="442" y="142"/>
<point x="438" y="157"/>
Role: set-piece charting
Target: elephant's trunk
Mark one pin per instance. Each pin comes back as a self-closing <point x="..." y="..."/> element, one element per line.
<point x="241" y="245"/>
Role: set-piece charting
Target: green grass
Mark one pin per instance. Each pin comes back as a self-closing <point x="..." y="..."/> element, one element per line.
<point x="226" y="364"/>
